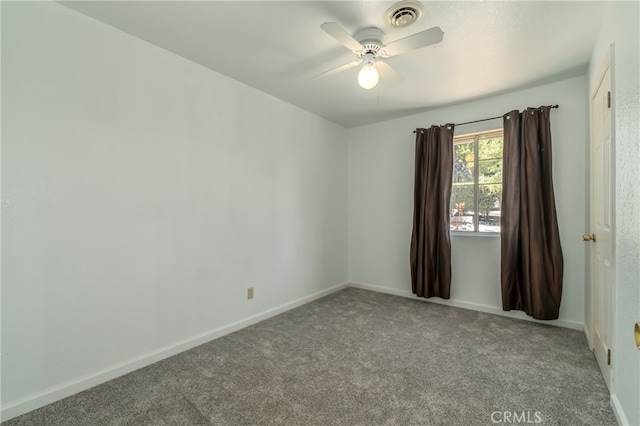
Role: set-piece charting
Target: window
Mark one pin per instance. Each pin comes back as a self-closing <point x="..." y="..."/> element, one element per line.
<point x="476" y="192"/>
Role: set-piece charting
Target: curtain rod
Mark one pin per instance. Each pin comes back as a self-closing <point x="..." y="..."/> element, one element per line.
<point x="486" y="119"/>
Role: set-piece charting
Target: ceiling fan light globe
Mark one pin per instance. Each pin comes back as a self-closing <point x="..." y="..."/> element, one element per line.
<point x="368" y="76"/>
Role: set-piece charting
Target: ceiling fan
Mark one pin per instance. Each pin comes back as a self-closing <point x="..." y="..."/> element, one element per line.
<point x="370" y="51"/>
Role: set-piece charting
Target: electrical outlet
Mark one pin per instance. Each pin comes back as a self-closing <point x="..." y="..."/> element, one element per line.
<point x="250" y="293"/>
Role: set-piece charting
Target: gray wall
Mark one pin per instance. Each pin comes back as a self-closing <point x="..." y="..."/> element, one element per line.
<point x="142" y="194"/>
<point x="381" y="200"/>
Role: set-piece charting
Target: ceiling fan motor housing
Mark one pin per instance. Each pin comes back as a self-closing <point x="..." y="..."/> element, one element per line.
<point x="371" y="40"/>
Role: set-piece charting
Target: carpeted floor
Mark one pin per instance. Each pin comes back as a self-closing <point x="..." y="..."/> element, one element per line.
<point x="359" y="358"/>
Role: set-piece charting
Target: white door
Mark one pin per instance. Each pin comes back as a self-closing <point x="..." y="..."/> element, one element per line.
<point x="601" y="222"/>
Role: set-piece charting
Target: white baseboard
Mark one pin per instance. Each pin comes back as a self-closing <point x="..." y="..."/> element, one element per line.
<point x="48" y="396"/>
<point x="468" y="305"/>
<point x="618" y="411"/>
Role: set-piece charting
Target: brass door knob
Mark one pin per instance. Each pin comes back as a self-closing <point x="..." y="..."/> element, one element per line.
<point x="636" y="330"/>
<point x="589" y="237"/>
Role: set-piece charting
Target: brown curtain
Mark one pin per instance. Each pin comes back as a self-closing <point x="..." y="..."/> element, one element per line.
<point x="531" y="255"/>
<point x="430" y="244"/>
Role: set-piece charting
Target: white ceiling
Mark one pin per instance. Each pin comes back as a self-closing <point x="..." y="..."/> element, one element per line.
<point x="278" y="46"/>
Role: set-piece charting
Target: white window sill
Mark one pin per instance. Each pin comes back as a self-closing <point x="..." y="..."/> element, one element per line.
<point x="475" y="234"/>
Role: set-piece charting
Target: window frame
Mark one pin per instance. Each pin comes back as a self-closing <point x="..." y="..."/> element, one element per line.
<point x="475" y="137"/>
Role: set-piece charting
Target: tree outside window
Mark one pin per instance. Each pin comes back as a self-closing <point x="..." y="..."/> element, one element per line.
<point x="477" y="182"/>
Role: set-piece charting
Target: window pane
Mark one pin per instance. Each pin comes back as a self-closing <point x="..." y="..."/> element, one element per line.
<point x="490" y="171"/>
<point x="489" y="199"/>
<point x="477" y="182"/>
<point x="463" y="162"/>
<point x="462" y="207"/>
<point x="490" y="160"/>
<point x="489" y="147"/>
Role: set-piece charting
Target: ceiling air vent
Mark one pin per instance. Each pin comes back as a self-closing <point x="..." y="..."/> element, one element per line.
<point x="403" y="14"/>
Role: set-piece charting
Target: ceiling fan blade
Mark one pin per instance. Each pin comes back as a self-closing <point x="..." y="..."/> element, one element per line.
<point x="424" y="38"/>
<point x="337" y="32"/>
<point x="388" y="73"/>
<point x="339" y="69"/>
